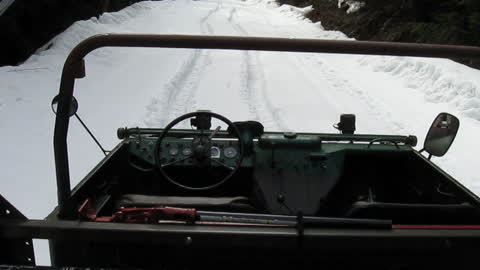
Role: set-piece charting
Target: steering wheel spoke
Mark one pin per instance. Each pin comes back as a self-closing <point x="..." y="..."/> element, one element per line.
<point x="175" y="161"/>
<point x="223" y="164"/>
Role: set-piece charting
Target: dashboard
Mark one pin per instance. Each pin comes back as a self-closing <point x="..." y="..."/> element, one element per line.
<point x="301" y="168"/>
<point x="180" y="151"/>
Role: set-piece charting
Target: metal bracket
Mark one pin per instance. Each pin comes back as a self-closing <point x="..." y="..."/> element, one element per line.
<point x="300" y="228"/>
<point x="380" y="140"/>
<point x="14" y="251"/>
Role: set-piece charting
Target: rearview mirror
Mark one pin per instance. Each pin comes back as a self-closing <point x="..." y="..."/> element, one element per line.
<point x="73" y="107"/>
<point x="441" y="134"/>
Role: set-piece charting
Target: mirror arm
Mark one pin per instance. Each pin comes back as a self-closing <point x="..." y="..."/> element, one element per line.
<point x="105" y="152"/>
<point x="423" y="150"/>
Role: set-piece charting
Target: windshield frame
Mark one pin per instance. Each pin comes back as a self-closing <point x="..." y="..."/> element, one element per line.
<point x="74" y="68"/>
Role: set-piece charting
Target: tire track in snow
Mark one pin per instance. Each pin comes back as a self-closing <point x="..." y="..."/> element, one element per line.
<point x="375" y="107"/>
<point x="254" y="86"/>
<point x="177" y="91"/>
<point x="180" y="91"/>
<point x="333" y="76"/>
<point x="204" y="21"/>
<point x="246" y="91"/>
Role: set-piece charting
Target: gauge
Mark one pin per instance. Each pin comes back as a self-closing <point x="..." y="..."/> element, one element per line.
<point x="214" y="152"/>
<point x="187" y="151"/>
<point x="173" y="151"/>
<point x="230" y="152"/>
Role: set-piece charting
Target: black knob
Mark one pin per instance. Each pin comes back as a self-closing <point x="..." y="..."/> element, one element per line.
<point x="122" y="133"/>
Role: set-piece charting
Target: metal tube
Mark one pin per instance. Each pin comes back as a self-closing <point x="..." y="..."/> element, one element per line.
<point x="73" y="68"/>
<point x="105" y="152"/>
<point x="179" y="133"/>
<point x="315" y="222"/>
<point x="175" y="234"/>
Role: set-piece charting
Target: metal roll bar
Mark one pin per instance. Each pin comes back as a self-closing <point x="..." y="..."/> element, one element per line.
<point x="74" y="68"/>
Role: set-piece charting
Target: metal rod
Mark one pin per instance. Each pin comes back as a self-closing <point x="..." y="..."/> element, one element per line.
<point x="105" y="152"/>
<point x="74" y="68"/>
<point x="224" y="235"/>
<point x="179" y="133"/>
<point x="111" y="232"/>
<point x="309" y="221"/>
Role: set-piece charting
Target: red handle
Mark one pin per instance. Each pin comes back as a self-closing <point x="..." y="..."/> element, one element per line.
<point x="151" y="215"/>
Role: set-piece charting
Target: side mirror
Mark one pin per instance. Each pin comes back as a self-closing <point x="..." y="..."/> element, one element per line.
<point x="441" y="134"/>
<point x="73" y="107"/>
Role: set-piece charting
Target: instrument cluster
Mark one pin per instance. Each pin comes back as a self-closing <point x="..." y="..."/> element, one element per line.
<point x="173" y="150"/>
<point x="217" y="150"/>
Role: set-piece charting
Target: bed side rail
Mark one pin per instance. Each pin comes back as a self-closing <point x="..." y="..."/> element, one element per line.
<point x="14" y="251"/>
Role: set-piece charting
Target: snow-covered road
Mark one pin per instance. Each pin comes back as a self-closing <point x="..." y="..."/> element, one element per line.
<point x="285" y="91"/>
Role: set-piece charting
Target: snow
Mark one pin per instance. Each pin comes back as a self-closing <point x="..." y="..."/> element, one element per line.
<point x="285" y="91"/>
<point x="4" y="5"/>
<point x="442" y="82"/>
<point x="353" y="6"/>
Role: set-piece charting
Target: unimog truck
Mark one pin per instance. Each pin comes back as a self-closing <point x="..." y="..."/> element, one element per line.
<point x="225" y="194"/>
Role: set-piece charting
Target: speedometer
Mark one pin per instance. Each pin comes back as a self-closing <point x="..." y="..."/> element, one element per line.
<point x="214" y="152"/>
<point x="230" y="152"/>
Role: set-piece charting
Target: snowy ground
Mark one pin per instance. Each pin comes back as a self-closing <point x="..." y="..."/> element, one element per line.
<point x="285" y="91"/>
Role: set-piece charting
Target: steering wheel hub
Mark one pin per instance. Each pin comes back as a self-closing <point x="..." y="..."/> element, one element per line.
<point x="201" y="152"/>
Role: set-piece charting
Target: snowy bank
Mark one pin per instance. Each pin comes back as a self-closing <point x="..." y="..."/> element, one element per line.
<point x="441" y="81"/>
<point x="353" y="6"/>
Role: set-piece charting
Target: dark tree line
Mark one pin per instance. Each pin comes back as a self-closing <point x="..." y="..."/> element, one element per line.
<point x="27" y="24"/>
<point x="425" y="21"/>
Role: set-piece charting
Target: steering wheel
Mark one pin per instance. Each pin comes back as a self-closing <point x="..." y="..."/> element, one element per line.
<point x="201" y="147"/>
